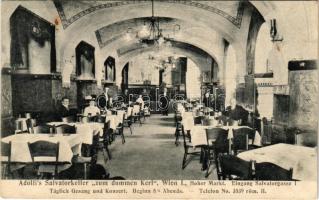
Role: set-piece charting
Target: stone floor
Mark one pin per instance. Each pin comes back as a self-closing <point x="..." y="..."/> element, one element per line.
<point x="150" y="153"/>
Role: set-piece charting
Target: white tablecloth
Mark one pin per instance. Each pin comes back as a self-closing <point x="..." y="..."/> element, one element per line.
<point x="20" y="150"/>
<point x="302" y="159"/>
<point x="136" y="109"/>
<point x="84" y="130"/>
<point x="188" y="120"/>
<point x="129" y="111"/>
<point x="198" y="134"/>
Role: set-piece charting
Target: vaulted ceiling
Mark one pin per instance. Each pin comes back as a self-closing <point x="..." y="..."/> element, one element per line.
<point x="204" y="24"/>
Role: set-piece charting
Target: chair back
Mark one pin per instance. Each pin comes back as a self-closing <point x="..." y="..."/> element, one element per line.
<point x="68" y="119"/>
<point x="43" y="148"/>
<point x="198" y="120"/>
<point x="29" y="125"/>
<point x="251" y="132"/>
<point x="232" y="165"/>
<point x="18" y="126"/>
<point x="106" y="131"/>
<point x="65" y="128"/>
<point x="213" y="133"/>
<point x="221" y="144"/>
<point x="240" y="140"/>
<point x="270" y="171"/>
<point x="6" y="149"/>
<point x="42" y="129"/>
<point x="100" y="119"/>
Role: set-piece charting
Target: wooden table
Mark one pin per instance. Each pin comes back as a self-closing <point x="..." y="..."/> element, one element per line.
<point x="302" y="159"/>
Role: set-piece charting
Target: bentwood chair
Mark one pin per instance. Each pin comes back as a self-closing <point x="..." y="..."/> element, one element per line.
<point x="19" y="127"/>
<point x="242" y="138"/>
<point x="100" y="119"/>
<point x="65" y="129"/>
<point x="5" y="160"/>
<point x="232" y="167"/>
<point x="188" y="150"/>
<point x="91" y="159"/>
<point x="105" y="140"/>
<point x="198" y="120"/>
<point x="212" y="135"/>
<point x="270" y="171"/>
<point x="29" y="125"/>
<point x="43" y="129"/>
<point x="178" y="128"/>
<point x="137" y="113"/>
<point x="221" y="147"/>
<point x="120" y="127"/>
<point x="45" y="153"/>
<point x="68" y="119"/>
<point x="128" y="119"/>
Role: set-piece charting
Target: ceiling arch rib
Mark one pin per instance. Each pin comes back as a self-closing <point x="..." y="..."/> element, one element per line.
<point x="99" y="18"/>
<point x="194" y="53"/>
<point x="112" y="37"/>
<point x="71" y="12"/>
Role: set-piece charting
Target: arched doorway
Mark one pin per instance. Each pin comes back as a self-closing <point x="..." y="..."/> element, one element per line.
<point x="124" y="83"/>
<point x="109" y="69"/>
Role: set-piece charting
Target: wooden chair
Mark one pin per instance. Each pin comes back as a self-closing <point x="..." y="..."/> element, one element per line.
<point x="128" y="119"/>
<point x="120" y="129"/>
<point x="137" y="113"/>
<point x="232" y="167"/>
<point x="187" y="147"/>
<point x="198" y="120"/>
<point x="241" y="139"/>
<point x="89" y="160"/>
<point x="211" y="135"/>
<point x="221" y="147"/>
<point x="6" y="159"/>
<point x="49" y="150"/>
<point x="68" y="119"/>
<point x="269" y="171"/>
<point x="178" y="128"/>
<point x="19" y="127"/>
<point x="65" y="129"/>
<point x="100" y="119"/>
<point x="29" y="125"/>
<point x="43" y="129"/>
<point x="105" y="140"/>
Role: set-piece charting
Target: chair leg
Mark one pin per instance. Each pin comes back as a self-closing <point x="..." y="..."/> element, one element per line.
<point x="131" y="129"/>
<point x="184" y="159"/>
<point x="208" y="163"/>
<point x="177" y="137"/>
<point x="104" y="155"/>
<point x="139" y="119"/>
<point x="85" y="171"/>
<point x="122" y="134"/>
<point x="108" y="151"/>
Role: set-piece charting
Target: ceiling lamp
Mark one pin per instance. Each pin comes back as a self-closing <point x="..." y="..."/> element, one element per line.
<point x="152" y="34"/>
